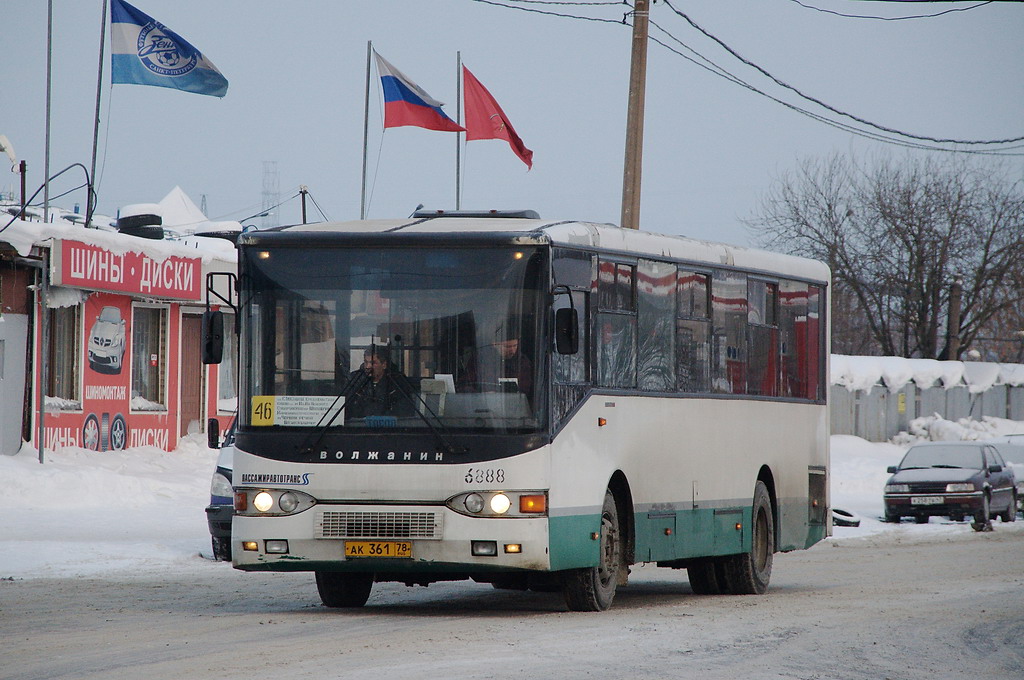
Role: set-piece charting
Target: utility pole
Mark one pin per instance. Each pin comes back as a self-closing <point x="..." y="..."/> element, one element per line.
<point x="303" y="191"/>
<point x="635" y="119"/>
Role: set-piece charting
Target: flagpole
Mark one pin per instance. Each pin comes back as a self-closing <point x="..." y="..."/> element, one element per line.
<point x="49" y="71"/>
<point x="96" y="121"/>
<point x="458" y="135"/>
<point x="366" y="130"/>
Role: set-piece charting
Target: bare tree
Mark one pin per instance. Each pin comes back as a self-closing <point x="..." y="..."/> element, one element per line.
<point x="897" y="235"/>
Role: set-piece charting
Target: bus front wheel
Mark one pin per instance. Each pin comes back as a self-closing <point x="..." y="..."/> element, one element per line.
<point x="749" y="573"/>
<point x="340" y="589"/>
<point x="592" y="589"/>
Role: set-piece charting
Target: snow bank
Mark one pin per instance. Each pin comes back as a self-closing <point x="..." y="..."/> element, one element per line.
<point x="937" y="428"/>
<point x="86" y="513"/>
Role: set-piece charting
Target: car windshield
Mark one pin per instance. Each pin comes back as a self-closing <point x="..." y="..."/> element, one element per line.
<point x="110" y="314"/>
<point x="943" y="456"/>
<point x="395" y="338"/>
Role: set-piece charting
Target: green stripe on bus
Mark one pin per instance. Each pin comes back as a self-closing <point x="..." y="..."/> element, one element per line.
<point x="673" y="535"/>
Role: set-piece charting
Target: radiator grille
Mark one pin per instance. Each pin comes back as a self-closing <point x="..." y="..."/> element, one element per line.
<point x="928" y="487"/>
<point x="379" y="524"/>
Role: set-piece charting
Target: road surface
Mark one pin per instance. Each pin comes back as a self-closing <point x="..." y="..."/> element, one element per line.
<point x="900" y="605"/>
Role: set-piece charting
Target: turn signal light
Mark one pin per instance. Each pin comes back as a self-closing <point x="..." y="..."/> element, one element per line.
<point x="533" y="503"/>
<point x="241" y="501"/>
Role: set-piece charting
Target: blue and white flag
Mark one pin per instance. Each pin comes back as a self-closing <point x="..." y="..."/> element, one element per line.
<point x="145" y="52"/>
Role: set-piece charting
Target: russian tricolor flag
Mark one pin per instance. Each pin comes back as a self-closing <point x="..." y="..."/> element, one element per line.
<point x="406" y="103"/>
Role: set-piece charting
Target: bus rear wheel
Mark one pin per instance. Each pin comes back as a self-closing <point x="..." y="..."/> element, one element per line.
<point x="708" y="577"/>
<point x="341" y="589"/>
<point x="749" y="573"/>
<point x="592" y="589"/>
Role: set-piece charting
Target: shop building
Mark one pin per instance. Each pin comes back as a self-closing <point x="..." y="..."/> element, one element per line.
<point x="107" y="327"/>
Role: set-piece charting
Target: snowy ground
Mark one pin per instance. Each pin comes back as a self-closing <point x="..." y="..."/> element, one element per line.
<point x="85" y="513"/>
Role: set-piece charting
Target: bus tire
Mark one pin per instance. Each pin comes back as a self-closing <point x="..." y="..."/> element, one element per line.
<point x="341" y="589"/>
<point x="749" y="573"/>
<point x="704" y="577"/>
<point x="592" y="589"/>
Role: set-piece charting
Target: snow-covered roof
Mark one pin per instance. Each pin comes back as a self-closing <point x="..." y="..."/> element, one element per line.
<point x="862" y="373"/>
<point x="22" y="235"/>
<point x="591" y="235"/>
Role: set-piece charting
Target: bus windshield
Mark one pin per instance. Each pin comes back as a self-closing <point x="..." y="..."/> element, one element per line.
<point x="401" y="339"/>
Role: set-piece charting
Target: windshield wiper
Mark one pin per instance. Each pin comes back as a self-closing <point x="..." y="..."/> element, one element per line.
<point x="945" y="466"/>
<point x="351" y="387"/>
<point x="412" y="396"/>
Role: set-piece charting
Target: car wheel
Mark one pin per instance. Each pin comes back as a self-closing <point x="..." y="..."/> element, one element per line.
<point x="342" y="590"/>
<point x="749" y="573"/>
<point x="91" y="433"/>
<point x="1011" y="510"/>
<point x="592" y="589"/>
<point x="892" y="517"/>
<point x="983" y="516"/>
<point x="221" y="548"/>
<point x="921" y="519"/>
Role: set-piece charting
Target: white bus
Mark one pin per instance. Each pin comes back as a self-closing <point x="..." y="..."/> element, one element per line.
<point x="552" y="403"/>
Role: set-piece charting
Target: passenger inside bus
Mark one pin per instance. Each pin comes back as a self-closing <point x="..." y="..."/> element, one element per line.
<point x="501" y="366"/>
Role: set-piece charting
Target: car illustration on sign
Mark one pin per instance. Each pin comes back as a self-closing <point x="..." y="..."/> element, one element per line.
<point x="107" y="341"/>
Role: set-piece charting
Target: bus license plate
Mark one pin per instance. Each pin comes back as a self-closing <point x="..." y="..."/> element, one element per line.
<point x="378" y="549"/>
<point x="927" y="500"/>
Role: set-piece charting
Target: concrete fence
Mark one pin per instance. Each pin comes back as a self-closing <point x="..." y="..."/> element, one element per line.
<point x="876" y="397"/>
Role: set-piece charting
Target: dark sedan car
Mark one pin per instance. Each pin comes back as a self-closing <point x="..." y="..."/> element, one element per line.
<point x="221" y="508"/>
<point x="951" y="479"/>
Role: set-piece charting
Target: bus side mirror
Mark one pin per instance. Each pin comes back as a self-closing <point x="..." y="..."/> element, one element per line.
<point x="567" y="337"/>
<point x="213" y="337"/>
<point x="213" y="433"/>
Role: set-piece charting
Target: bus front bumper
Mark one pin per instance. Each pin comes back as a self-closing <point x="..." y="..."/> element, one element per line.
<point x="389" y="538"/>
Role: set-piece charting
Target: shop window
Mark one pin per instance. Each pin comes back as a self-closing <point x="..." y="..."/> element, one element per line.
<point x="64" y="358"/>
<point x="149" y="358"/>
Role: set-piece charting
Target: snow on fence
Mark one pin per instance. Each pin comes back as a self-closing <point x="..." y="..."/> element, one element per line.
<point x="876" y="397"/>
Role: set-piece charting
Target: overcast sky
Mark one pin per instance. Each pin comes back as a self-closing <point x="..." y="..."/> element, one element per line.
<point x="296" y="97"/>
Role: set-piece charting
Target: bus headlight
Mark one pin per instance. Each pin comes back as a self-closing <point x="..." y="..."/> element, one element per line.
<point x="474" y="503"/>
<point x="263" y="501"/>
<point x="288" y="502"/>
<point x="500" y="503"/>
<point x="272" y="502"/>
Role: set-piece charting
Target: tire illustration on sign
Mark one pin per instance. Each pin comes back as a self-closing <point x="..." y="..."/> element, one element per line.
<point x="91" y="433"/>
<point x="118" y="433"/>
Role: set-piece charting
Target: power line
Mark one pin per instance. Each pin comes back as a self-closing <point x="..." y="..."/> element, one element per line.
<point x="917" y="16"/>
<point x="717" y="70"/>
<point x="549" y="13"/>
<point x="880" y="133"/>
<point x="839" y="112"/>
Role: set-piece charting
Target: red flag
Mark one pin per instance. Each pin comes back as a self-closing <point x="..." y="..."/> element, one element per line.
<point x="486" y="120"/>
